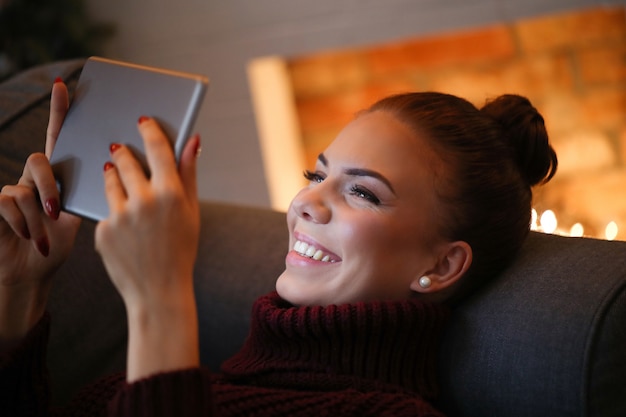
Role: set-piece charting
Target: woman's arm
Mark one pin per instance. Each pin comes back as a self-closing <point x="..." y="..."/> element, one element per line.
<point x="148" y="245"/>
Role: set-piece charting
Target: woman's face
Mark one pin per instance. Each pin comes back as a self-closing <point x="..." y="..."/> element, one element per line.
<point x="364" y="228"/>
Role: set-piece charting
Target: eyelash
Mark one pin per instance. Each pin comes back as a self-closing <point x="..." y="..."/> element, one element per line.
<point x="365" y="194"/>
<point x="355" y="190"/>
<point x="313" y="176"/>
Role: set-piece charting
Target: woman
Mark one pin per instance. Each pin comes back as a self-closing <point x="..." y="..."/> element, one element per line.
<point x="416" y="202"/>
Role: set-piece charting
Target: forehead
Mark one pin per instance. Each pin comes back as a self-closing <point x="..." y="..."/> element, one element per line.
<point x="381" y="142"/>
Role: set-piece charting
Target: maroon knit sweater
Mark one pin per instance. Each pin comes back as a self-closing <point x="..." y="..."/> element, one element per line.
<point x="362" y="359"/>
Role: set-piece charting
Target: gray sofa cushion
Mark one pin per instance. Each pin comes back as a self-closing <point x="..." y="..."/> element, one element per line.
<point x="548" y="337"/>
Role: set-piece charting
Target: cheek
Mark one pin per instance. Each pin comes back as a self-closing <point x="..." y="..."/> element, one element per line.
<point x="373" y="237"/>
<point x="397" y="240"/>
<point x="291" y="218"/>
<point x="354" y="231"/>
<point x="385" y="258"/>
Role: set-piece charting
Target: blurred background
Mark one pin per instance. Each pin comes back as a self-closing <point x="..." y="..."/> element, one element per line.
<point x="286" y="75"/>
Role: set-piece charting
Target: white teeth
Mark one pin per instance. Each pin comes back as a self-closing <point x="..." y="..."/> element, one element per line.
<point x="310" y="251"/>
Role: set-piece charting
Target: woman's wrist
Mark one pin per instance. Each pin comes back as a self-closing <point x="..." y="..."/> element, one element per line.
<point x="163" y="335"/>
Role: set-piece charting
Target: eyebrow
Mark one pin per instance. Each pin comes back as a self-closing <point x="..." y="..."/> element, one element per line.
<point x="360" y="172"/>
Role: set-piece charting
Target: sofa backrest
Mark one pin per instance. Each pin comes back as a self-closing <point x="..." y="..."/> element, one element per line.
<point x="547" y="338"/>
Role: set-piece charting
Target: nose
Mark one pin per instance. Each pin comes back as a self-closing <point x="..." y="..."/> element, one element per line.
<point x="311" y="204"/>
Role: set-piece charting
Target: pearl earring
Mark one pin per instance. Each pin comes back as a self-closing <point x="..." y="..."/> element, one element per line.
<point x="425" y="282"/>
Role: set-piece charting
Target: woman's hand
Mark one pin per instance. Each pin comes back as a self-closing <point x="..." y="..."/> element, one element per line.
<point x="35" y="237"/>
<point x="148" y="245"/>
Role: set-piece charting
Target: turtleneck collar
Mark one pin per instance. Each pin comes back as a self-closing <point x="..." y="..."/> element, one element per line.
<point x="374" y="345"/>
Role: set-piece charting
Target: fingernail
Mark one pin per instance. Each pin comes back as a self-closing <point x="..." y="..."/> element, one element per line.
<point x="52" y="207"/>
<point x="143" y="119"/>
<point x="198" y="149"/>
<point x="108" y="166"/>
<point x="114" y="147"/>
<point x="58" y="80"/>
<point x="43" y="246"/>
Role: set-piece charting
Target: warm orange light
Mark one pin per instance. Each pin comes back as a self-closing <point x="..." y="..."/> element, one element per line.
<point x="548" y="221"/>
<point x="577" y="230"/>
<point x="611" y="231"/>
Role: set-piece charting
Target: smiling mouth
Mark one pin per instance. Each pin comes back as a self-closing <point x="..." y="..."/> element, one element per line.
<point x="311" y="251"/>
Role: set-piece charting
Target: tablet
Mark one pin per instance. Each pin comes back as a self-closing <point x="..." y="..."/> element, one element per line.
<point x="108" y="100"/>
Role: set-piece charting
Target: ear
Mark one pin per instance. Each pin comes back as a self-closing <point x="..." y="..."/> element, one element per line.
<point x="454" y="260"/>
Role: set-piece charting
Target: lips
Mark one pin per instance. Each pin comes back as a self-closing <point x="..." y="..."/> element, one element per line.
<point x="314" y="252"/>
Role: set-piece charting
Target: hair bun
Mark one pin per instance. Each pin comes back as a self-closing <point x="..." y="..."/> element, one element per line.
<point x="525" y="129"/>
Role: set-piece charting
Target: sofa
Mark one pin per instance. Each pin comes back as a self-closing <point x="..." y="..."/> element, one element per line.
<point x="547" y="337"/>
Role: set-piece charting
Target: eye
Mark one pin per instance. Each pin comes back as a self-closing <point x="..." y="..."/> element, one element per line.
<point x="364" y="193"/>
<point x="313" y="176"/>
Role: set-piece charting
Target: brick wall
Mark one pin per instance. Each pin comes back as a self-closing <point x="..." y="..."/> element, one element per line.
<point x="571" y="65"/>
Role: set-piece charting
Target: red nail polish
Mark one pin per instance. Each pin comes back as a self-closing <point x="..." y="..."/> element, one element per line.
<point x="52" y="207"/>
<point x="143" y="119"/>
<point x="43" y="246"/>
<point x="108" y="166"/>
<point x="58" y="80"/>
<point x="114" y="147"/>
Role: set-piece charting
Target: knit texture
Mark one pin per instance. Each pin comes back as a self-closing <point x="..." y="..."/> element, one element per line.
<point x="23" y="378"/>
<point x="386" y="346"/>
<point x="363" y="359"/>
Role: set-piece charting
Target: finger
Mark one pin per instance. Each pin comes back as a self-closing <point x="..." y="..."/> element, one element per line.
<point x="129" y="171"/>
<point x="12" y="216"/>
<point x="159" y="152"/>
<point x="187" y="166"/>
<point x="24" y="216"/>
<point x="59" y="103"/>
<point x="38" y="175"/>
<point x="113" y="188"/>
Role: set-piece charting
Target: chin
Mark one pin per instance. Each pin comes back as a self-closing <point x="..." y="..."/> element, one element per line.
<point x="285" y="290"/>
<point x="295" y="293"/>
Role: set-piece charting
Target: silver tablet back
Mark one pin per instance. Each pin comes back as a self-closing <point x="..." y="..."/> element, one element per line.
<point x="109" y="98"/>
